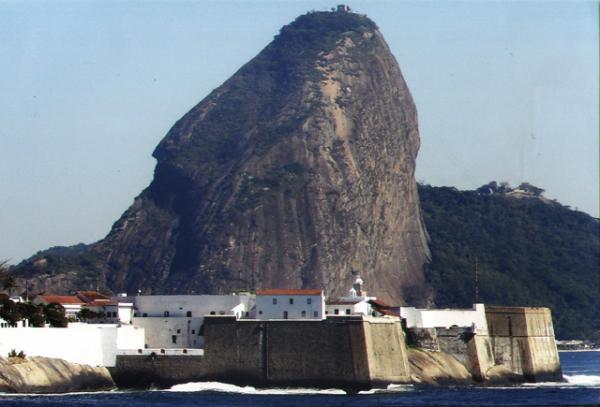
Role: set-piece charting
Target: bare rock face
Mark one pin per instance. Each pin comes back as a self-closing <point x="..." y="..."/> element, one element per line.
<point x="297" y="172"/>
<point x="49" y="375"/>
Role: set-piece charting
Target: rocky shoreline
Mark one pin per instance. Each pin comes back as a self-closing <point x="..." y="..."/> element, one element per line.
<point x="49" y="375"/>
<point x="40" y="375"/>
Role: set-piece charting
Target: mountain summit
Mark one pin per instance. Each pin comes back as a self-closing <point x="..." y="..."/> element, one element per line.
<point x="297" y="172"/>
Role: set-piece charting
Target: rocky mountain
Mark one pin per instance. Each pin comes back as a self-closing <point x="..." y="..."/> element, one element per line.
<point x="298" y="171"/>
<point x="527" y="250"/>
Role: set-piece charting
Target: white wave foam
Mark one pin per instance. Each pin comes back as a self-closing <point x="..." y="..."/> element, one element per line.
<point x="230" y="388"/>
<point x="583" y="380"/>
<point x="392" y="388"/>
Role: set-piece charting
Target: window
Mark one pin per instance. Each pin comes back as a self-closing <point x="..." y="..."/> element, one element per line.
<point x="309" y="301"/>
<point x="179" y="331"/>
<point x="166" y="313"/>
<point x="259" y="312"/>
<point x="193" y="331"/>
<point x="303" y="314"/>
<point x="274" y="301"/>
<point x="213" y="313"/>
<point x="285" y="315"/>
<point x="291" y="301"/>
<point x="326" y="312"/>
<point x="188" y="314"/>
<point x="144" y="315"/>
<point x="316" y="314"/>
<point x="336" y="311"/>
<point x="347" y="311"/>
<point x="174" y="338"/>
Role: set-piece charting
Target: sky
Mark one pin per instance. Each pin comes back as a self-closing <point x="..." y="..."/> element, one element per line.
<point x="505" y="91"/>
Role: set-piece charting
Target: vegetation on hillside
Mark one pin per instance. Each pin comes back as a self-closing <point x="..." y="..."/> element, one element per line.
<point x="528" y="251"/>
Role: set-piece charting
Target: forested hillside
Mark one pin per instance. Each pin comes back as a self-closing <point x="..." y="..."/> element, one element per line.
<point x="527" y="250"/>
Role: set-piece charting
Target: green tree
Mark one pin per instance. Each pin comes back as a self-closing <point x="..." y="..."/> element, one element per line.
<point x="7" y="280"/>
<point x="55" y="315"/>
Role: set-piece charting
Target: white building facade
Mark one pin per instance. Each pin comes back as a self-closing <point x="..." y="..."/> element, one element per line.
<point x="290" y="304"/>
<point x="175" y="321"/>
<point x="355" y="303"/>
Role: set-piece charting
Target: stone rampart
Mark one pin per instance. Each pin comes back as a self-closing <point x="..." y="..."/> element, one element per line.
<point x="345" y="352"/>
<point x="144" y="371"/>
<point x="523" y="341"/>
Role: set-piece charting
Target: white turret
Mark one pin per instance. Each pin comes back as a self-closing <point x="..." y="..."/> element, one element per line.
<point x="358" y="287"/>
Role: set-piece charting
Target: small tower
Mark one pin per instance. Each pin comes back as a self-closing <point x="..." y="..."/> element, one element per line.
<point x="358" y="287"/>
<point x="343" y="8"/>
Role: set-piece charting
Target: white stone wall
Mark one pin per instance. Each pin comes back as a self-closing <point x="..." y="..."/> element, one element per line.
<point x="193" y="306"/>
<point x="94" y="345"/>
<point x="296" y="306"/>
<point x="125" y="312"/>
<point x="160" y="332"/>
<point x="445" y="318"/>
<point x="362" y="308"/>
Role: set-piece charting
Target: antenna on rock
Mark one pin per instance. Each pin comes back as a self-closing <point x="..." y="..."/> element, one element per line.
<point x="476" y="279"/>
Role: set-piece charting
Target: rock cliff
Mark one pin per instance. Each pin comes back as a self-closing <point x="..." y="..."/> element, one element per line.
<point x="48" y="375"/>
<point x="298" y="171"/>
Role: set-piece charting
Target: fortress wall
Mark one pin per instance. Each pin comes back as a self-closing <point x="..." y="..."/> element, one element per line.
<point x="523" y="341"/>
<point x="454" y="341"/>
<point x="386" y="350"/>
<point x="308" y="352"/>
<point x="160" y="370"/>
<point x="235" y="351"/>
<point x="339" y="351"/>
<point x="480" y="357"/>
<point x="425" y="338"/>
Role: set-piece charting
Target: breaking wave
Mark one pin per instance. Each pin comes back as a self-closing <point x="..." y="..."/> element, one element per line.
<point x="230" y="388"/>
<point x="583" y="380"/>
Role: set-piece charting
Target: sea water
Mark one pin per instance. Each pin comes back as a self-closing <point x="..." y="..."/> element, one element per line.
<point x="581" y="371"/>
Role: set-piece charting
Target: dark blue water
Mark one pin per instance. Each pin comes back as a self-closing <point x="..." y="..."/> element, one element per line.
<point x="581" y="369"/>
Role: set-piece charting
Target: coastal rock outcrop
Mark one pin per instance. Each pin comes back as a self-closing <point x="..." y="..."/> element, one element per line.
<point x="436" y="368"/>
<point x="50" y="375"/>
<point x="298" y="171"/>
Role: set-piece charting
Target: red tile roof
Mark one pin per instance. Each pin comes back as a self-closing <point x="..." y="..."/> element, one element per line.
<point x="88" y="296"/>
<point x="387" y="311"/>
<point x="101" y="303"/>
<point x="61" y="299"/>
<point x="277" y="291"/>
<point x="379" y="303"/>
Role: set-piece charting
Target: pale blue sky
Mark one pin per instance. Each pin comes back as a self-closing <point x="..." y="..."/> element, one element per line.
<point x="505" y="91"/>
